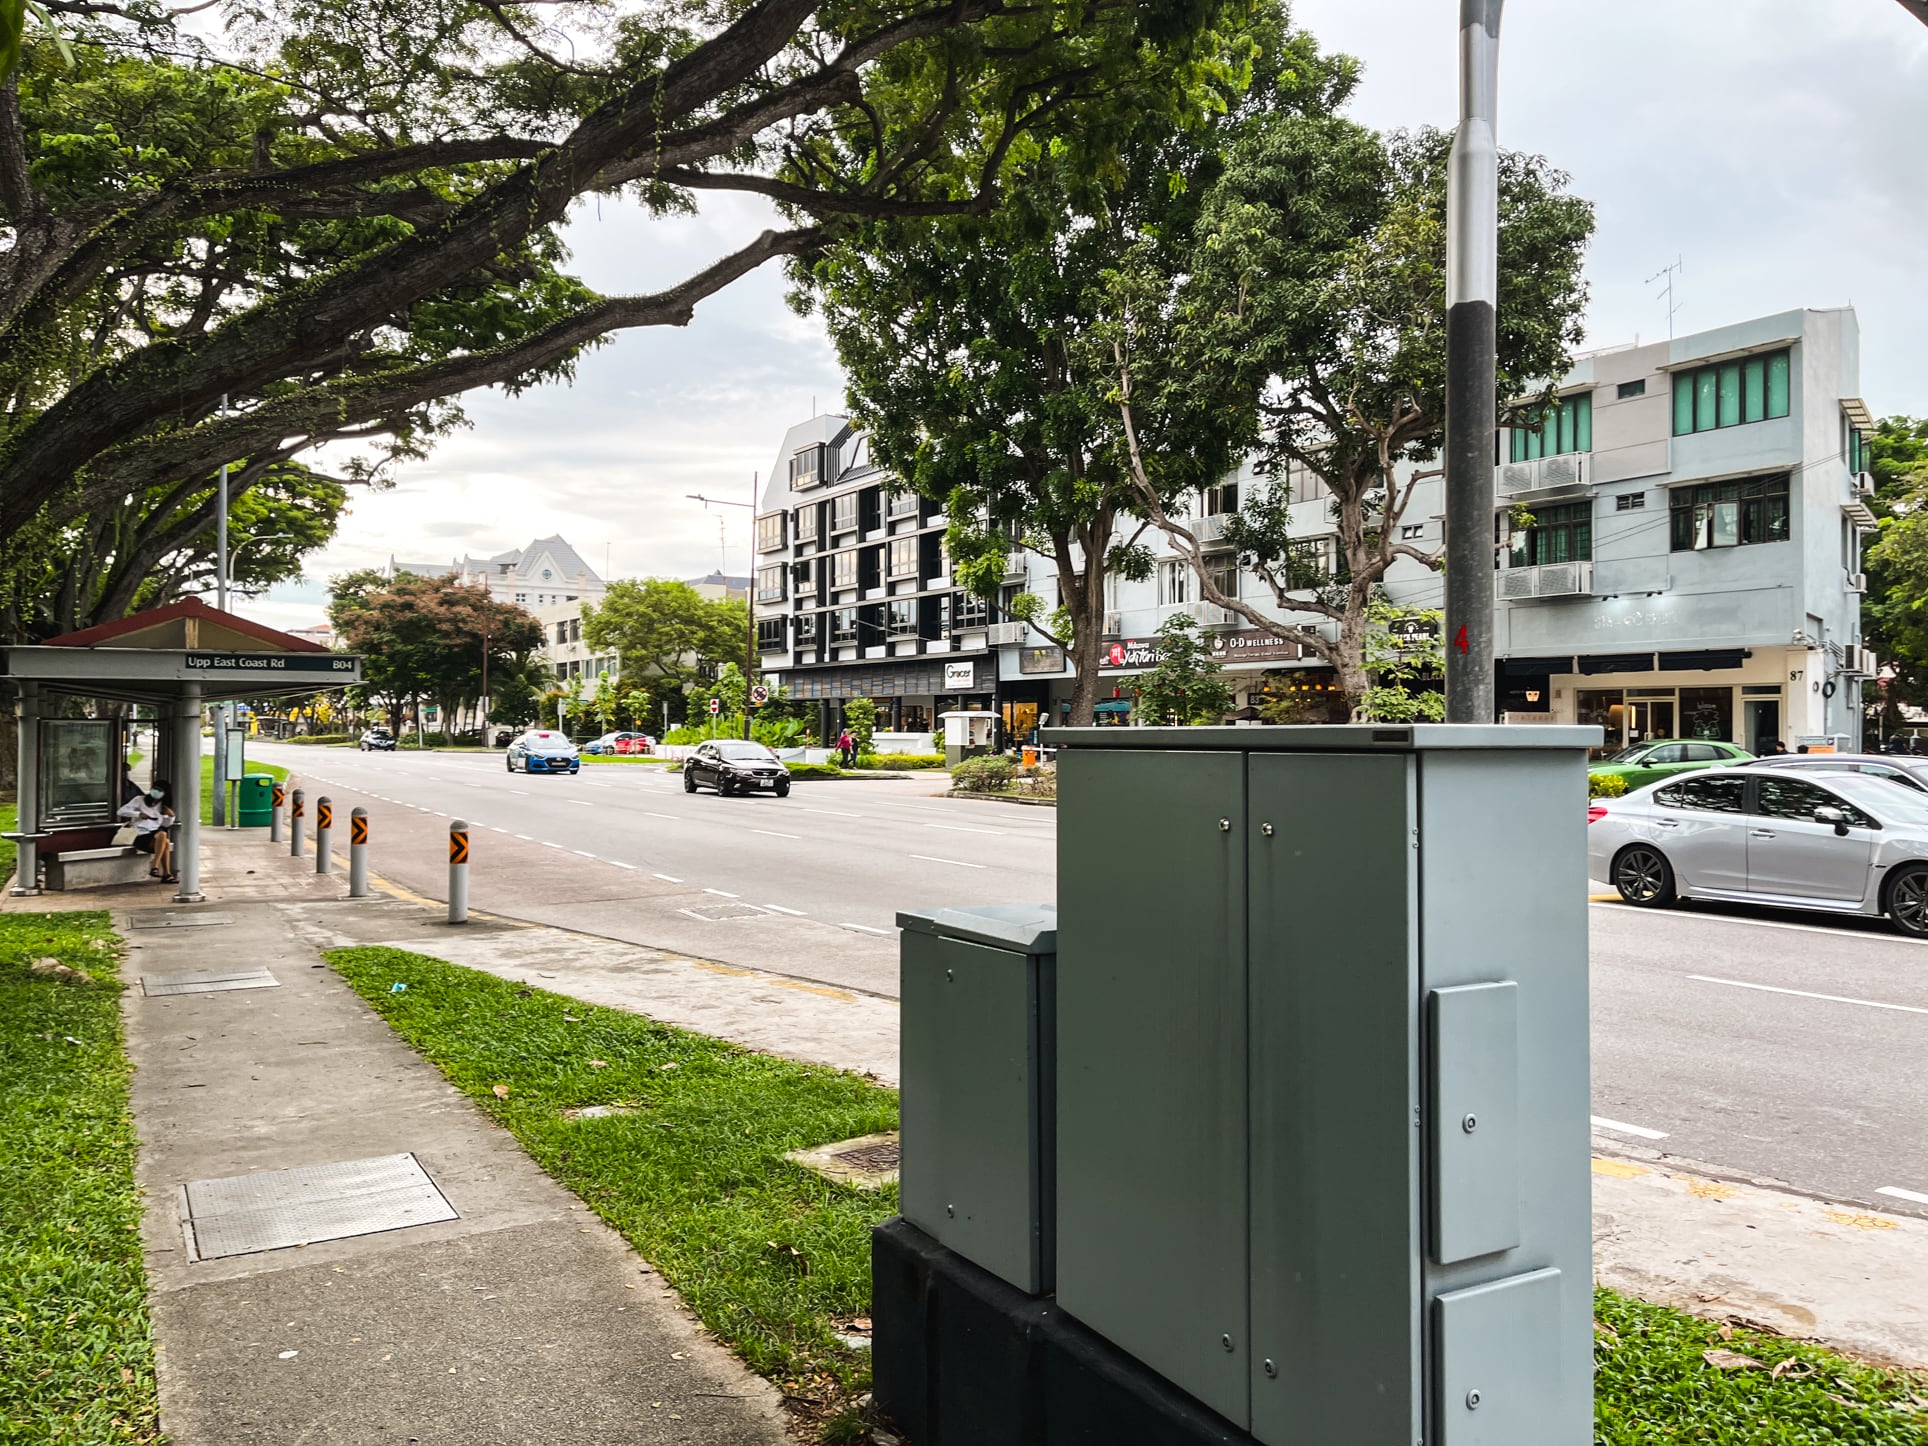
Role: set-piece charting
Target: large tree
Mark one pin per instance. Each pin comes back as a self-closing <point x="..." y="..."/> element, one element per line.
<point x="666" y="633"/>
<point x="961" y="337"/>
<point x="1894" y="611"/>
<point x="298" y="206"/>
<point x="1315" y="304"/>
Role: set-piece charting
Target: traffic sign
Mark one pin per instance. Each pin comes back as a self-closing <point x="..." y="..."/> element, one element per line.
<point x="716" y="706"/>
<point x="759" y="695"/>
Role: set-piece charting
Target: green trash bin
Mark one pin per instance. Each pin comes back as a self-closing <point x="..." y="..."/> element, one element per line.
<point x="257" y="800"/>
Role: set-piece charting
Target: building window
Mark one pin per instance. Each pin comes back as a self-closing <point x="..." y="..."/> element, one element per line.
<point x="1303" y="484"/>
<point x="806" y="578"/>
<point x="1174" y="582"/>
<point x="1558" y="534"/>
<point x="769" y="583"/>
<point x="969" y="611"/>
<point x="769" y="532"/>
<point x="1857" y="450"/>
<point x="902" y="504"/>
<point x="843" y="625"/>
<point x="843" y="513"/>
<point x="1312" y="562"/>
<point x="1729" y="514"/>
<point x="806" y="520"/>
<point x="1630" y="502"/>
<point x="806" y="467"/>
<point x="575" y="630"/>
<point x="1567" y="426"/>
<point x="1412" y="531"/>
<point x="522" y="597"/>
<point x="1731" y="393"/>
<point x="1219" y="500"/>
<point x="903" y="557"/>
<point x="562" y="634"/>
<point x="900" y="621"/>
<point x="769" y="635"/>
<point x="807" y="629"/>
<point x="1632" y="389"/>
<point x="1223" y="572"/>
<point x="843" y="569"/>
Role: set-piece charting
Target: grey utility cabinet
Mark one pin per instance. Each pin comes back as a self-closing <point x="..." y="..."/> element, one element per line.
<point x="1322" y="1086"/>
<point x="976" y="1092"/>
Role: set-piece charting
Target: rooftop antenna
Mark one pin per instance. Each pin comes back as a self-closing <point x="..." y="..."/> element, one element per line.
<point x="1667" y="292"/>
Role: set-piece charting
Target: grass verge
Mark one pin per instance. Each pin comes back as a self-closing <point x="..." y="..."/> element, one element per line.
<point x="76" y="1350"/>
<point x="207" y="781"/>
<point x="9" y="823"/>
<point x="770" y="1256"/>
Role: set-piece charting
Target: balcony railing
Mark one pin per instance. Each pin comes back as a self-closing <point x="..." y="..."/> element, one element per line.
<point x="1209" y="615"/>
<point x="1549" y="579"/>
<point x="1211" y="530"/>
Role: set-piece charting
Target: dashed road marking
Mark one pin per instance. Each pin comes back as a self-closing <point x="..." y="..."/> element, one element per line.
<point x="620" y="864"/>
<point x="781" y="910"/>
<point x="580" y="802"/>
<point x="954" y="863"/>
<point x="866" y="929"/>
<point x="1805" y="994"/>
<point x="1897" y="1193"/>
<point x="772" y="833"/>
<point x="585" y="853"/>
<point x="960" y="828"/>
<point x="667" y="878"/>
<point x="723" y="893"/>
<point x="670" y="816"/>
<point x="1615" y="1127"/>
<point x="833" y="812"/>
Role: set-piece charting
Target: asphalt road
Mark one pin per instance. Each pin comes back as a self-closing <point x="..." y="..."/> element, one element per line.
<point x="1769" y="1046"/>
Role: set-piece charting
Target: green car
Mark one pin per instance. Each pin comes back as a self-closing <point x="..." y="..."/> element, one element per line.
<point x="1644" y="763"/>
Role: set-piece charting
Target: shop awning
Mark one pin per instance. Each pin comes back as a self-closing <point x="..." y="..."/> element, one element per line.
<point x="1617" y="663"/>
<point x="1112" y="705"/>
<point x="1707" y="660"/>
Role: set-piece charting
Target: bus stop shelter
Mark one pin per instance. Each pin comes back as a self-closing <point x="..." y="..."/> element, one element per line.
<point x="175" y="659"/>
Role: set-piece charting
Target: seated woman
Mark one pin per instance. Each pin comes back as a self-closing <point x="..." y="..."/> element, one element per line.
<point x="153" y="819"/>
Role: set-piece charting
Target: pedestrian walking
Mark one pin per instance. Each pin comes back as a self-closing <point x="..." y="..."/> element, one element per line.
<point x="847" y="749"/>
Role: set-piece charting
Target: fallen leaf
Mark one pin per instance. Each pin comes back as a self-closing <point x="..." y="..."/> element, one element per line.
<point x="1792" y="1366"/>
<point x="289" y="1355"/>
<point x="1726" y="1333"/>
<point x="678" y="1355"/>
<point x="599" y="1064"/>
<point x="570" y="1019"/>
<point x="523" y="993"/>
<point x="1731" y="1360"/>
<point x="671" y="1065"/>
<point x="501" y="1091"/>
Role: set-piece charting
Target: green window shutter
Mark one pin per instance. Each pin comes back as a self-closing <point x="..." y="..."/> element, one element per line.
<point x="1730" y="395"/>
<point x="1777" y="384"/>
<point x="1515" y="444"/>
<point x="1704" y="399"/>
<point x="1583" y="422"/>
<point x="1550" y="433"/>
<point x="1754" y="390"/>
<point x="1683" y="403"/>
<point x="1565" y="418"/>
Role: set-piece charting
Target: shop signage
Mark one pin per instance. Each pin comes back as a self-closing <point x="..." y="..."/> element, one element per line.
<point x="1041" y="660"/>
<point x="960" y="675"/>
<point x="268" y="663"/>
<point x="1253" y="645"/>
<point x="1132" y="653"/>
<point x="1413" y="632"/>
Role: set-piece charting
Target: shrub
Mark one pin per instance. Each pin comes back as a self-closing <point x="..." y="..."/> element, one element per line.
<point x="814" y="770"/>
<point x="316" y="738"/>
<point x="860" y="717"/>
<point x="989" y="773"/>
<point x="900" y="760"/>
<point x="1606" y="785"/>
<point x="1039" y="782"/>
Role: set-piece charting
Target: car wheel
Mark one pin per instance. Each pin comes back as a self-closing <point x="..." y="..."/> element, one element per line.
<point x="509" y="763"/>
<point x="783" y="789"/>
<point x="689" y="781"/>
<point x="1908" y="900"/>
<point x="724" y="788"/>
<point x="1643" y="877"/>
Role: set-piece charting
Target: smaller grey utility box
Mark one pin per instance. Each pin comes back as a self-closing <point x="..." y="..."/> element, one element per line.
<point x="977" y="1100"/>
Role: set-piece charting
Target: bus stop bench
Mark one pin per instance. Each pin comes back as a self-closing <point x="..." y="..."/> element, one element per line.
<point x="94" y="868"/>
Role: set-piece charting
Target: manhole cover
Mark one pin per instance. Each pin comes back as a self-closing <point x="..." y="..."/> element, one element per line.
<point x="868" y="1162"/>
<point x="207" y="981"/>
<point x="174" y="919"/>
<point x="274" y="1209"/>
<point x="723" y="913"/>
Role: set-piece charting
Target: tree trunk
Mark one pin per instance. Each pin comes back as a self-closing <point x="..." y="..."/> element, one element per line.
<point x="1087" y="647"/>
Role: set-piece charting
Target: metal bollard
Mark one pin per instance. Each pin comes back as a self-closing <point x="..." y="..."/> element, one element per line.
<point x="458" y="872"/>
<point x="358" y="854"/>
<point x="295" y="825"/>
<point x="274" y="813"/>
<point x="324" y="835"/>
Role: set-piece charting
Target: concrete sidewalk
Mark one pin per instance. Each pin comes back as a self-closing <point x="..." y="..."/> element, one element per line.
<point x="522" y="1322"/>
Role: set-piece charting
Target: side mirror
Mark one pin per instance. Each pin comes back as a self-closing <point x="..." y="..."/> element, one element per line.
<point x="1834" y="816"/>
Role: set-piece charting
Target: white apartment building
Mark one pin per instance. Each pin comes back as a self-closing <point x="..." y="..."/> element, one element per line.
<point x="546" y="572"/>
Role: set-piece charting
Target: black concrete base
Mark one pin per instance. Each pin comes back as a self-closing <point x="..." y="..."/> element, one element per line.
<point x="960" y="1358"/>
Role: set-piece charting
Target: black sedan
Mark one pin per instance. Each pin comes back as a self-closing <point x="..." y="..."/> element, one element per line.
<point x="734" y="765"/>
<point x="543" y="750"/>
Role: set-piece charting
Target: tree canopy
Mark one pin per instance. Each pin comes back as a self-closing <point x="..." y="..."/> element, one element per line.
<point x="339" y="217"/>
<point x="1894" y="611"/>
<point x="668" y="631"/>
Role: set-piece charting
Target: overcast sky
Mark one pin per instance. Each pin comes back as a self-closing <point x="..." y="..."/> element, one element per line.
<point x="1772" y="146"/>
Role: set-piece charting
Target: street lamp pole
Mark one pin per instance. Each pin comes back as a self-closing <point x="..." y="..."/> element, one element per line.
<point x="749" y="593"/>
<point x="1472" y="293"/>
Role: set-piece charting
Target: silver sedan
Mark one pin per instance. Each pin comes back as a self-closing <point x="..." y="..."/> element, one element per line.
<point x="1845" y="843"/>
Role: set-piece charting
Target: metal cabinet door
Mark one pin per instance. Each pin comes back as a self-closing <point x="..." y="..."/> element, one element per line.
<point x="1335" y="1087"/>
<point x="1151" y="1241"/>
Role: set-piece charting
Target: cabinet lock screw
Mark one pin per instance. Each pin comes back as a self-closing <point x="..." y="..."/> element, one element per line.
<point x="1271" y="1368"/>
<point x="1266" y="829"/>
<point x="1469" y="1124"/>
<point x="951" y="1210"/>
<point x="950" y="974"/>
<point x="1225" y="1341"/>
<point x="1224" y="825"/>
<point x="1472" y="1399"/>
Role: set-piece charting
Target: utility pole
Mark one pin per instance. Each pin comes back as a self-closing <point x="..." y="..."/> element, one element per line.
<point x="1472" y="294"/>
<point x="484" y="740"/>
<point x="749" y="593"/>
<point x="219" y="813"/>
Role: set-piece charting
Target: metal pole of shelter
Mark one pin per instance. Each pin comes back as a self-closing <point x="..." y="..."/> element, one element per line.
<point x="187" y="795"/>
<point x="1472" y="294"/>
<point x="221" y="602"/>
<point x="26" y="877"/>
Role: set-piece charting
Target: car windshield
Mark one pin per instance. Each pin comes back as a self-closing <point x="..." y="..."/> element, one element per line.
<point x="740" y="750"/>
<point x="377" y="732"/>
<point x="1631" y="754"/>
<point x="548" y="743"/>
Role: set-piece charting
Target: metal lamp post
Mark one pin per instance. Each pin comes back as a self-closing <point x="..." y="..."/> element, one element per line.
<point x="1472" y="293"/>
<point x="749" y="593"/>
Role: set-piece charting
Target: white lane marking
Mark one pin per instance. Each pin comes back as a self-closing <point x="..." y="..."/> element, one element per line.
<point x="1614" y="1127"/>
<point x="1833" y="933"/>
<point x="1804" y="994"/>
<point x="587" y="784"/>
<point x="866" y="929"/>
<point x="494" y="829"/>
<point x="781" y="910"/>
<point x="954" y="863"/>
<point x="563" y="847"/>
<point x="667" y="878"/>
<point x="585" y="853"/>
<point x="580" y="802"/>
<point x="520" y="792"/>
<point x="959" y="828"/>
<point x="833" y="812"/>
<point x="1896" y="1192"/>
<point x="723" y="893"/>
<point x="525" y="838"/>
<point x="620" y="864"/>
<point x="670" y="816"/>
<point x="772" y="833"/>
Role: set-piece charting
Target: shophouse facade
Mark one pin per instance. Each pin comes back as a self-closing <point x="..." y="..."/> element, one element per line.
<point x="1677" y="554"/>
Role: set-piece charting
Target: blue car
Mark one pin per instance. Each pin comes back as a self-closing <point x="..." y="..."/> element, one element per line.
<point x="544" y="751"/>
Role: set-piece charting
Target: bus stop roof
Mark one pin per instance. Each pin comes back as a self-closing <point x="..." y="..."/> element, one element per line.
<point x="153" y="657"/>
